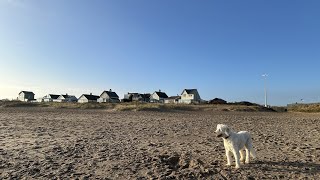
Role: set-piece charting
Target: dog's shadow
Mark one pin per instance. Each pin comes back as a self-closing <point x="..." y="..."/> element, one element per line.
<point x="288" y="166"/>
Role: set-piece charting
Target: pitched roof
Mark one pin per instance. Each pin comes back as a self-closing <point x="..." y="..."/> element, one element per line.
<point x="26" y="92"/>
<point x="111" y="94"/>
<point x="190" y="91"/>
<point x="67" y="96"/>
<point x="91" y="97"/>
<point x="161" y="94"/>
<point x="217" y="101"/>
<point x="54" y="96"/>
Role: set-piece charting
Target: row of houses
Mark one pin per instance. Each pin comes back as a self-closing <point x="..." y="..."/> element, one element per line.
<point x="187" y="96"/>
<point x="28" y="96"/>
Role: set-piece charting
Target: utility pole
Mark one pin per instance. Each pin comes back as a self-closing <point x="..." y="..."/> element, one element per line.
<point x="265" y="90"/>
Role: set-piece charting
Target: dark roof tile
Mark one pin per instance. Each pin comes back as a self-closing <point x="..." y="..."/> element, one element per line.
<point x="54" y="96"/>
<point x="112" y="94"/>
<point x="162" y="94"/>
<point x="190" y="91"/>
<point x="91" y="97"/>
<point x="27" y="92"/>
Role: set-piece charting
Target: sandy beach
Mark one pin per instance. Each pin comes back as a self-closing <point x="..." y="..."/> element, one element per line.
<point x="51" y="143"/>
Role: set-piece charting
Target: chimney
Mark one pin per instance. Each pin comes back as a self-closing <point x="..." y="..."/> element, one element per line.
<point x="159" y="90"/>
<point x="90" y="93"/>
<point x="110" y="90"/>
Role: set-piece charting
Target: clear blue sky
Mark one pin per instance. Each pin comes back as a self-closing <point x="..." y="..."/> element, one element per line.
<point x="219" y="47"/>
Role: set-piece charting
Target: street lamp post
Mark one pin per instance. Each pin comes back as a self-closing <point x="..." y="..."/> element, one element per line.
<point x="265" y="90"/>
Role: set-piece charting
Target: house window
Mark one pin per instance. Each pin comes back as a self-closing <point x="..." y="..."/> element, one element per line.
<point x="184" y="95"/>
<point x="190" y="95"/>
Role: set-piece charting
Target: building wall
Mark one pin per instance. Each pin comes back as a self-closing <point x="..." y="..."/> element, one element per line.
<point x="82" y="99"/>
<point x="102" y="100"/>
<point x="69" y="99"/>
<point x="40" y="100"/>
<point x="114" y="100"/>
<point x="136" y="97"/>
<point x="171" y="101"/>
<point x="25" y="97"/>
<point x="127" y="96"/>
<point x="185" y="96"/>
<point x="154" y="97"/>
<point x="189" y="98"/>
<point x="104" y="95"/>
<point x="47" y="100"/>
<point x="21" y="97"/>
<point x="61" y="99"/>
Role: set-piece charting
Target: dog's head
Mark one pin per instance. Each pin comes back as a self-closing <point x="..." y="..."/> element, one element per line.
<point x="223" y="131"/>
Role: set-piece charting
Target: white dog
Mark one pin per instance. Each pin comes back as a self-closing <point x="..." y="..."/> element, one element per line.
<point x="235" y="143"/>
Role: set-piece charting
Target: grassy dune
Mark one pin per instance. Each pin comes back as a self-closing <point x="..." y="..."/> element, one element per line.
<point x="304" y="108"/>
<point x="140" y="106"/>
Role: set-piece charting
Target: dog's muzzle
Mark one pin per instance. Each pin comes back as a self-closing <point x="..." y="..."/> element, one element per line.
<point x="219" y="135"/>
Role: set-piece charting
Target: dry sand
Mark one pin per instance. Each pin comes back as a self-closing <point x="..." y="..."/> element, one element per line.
<point x="47" y="143"/>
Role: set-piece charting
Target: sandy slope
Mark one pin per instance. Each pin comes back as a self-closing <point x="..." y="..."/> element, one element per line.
<point x="86" y="144"/>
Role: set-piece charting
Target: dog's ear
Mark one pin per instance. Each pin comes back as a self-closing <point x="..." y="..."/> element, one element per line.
<point x="218" y="127"/>
<point x="227" y="132"/>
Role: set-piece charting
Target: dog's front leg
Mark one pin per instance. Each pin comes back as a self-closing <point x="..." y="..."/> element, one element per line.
<point x="228" y="154"/>
<point x="236" y="155"/>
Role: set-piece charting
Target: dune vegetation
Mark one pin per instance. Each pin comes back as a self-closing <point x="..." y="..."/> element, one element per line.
<point x="136" y="106"/>
<point x="311" y="108"/>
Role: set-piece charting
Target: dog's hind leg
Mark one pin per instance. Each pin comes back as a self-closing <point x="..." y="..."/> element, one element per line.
<point x="247" y="156"/>
<point x="253" y="152"/>
<point x="249" y="149"/>
<point x="242" y="156"/>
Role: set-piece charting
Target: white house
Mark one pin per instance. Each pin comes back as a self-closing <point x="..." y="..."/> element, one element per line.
<point x="172" y="100"/>
<point x="129" y="97"/>
<point x="85" y="98"/>
<point x="190" y="96"/>
<point x="109" y="96"/>
<point x="136" y="97"/>
<point x="67" y="98"/>
<point x="51" y="98"/>
<point x="158" y="96"/>
<point x="40" y="99"/>
<point x="26" y="96"/>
